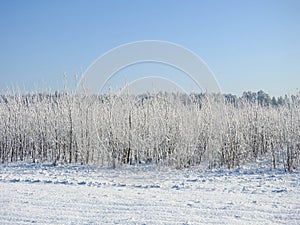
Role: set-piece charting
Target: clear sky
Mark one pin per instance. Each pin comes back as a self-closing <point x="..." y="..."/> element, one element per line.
<point x="248" y="44"/>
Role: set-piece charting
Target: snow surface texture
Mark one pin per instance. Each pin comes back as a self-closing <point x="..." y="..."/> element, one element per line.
<point x="44" y="194"/>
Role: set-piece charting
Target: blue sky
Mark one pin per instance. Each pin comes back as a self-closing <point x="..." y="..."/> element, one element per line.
<point x="249" y="45"/>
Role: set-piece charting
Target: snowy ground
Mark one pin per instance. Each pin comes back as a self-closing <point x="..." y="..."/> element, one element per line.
<point x="45" y="194"/>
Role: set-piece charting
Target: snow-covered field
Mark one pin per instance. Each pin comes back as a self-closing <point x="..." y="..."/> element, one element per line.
<point x="44" y="194"/>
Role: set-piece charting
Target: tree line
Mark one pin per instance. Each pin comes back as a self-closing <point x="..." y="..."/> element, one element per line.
<point x="171" y="129"/>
